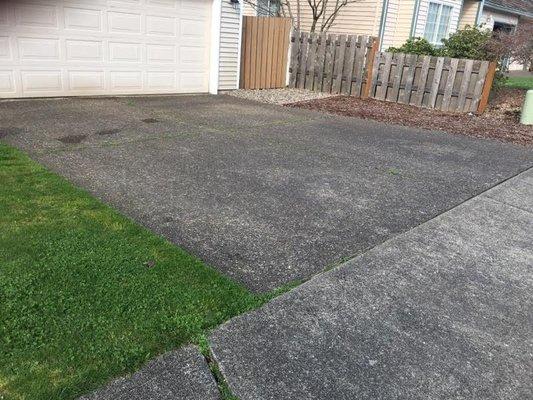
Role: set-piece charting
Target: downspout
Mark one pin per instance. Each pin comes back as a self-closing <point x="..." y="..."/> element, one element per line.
<point x="480" y="11"/>
<point x="414" y="21"/>
<point x="383" y="22"/>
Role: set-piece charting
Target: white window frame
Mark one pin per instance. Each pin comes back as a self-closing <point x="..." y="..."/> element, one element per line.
<point x="441" y="5"/>
<point x="267" y="10"/>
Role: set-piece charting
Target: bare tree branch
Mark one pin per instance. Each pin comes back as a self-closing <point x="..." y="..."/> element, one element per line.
<point x="323" y="12"/>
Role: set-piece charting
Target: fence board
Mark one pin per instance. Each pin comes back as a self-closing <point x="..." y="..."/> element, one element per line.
<point x="422" y="81"/>
<point x="358" y="71"/>
<point x="381" y="92"/>
<point x="310" y="68"/>
<point x="412" y="62"/>
<point x="397" y="76"/>
<point x="303" y="61"/>
<point x="436" y="82"/>
<point x="328" y="66"/>
<point x="452" y="71"/>
<point x="349" y="61"/>
<point x="465" y="84"/>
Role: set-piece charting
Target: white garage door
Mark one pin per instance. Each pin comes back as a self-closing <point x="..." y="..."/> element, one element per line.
<point x="93" y="47"/>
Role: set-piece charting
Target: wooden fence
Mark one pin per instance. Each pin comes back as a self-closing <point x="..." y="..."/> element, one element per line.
<point x="352" y="65"/>
<point x="448" y="84"/>
<point x="264" y="52"/>
<point x="331" y="63"/>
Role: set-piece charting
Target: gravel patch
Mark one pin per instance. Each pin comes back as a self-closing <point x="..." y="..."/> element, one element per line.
<point x="278" y="96"/>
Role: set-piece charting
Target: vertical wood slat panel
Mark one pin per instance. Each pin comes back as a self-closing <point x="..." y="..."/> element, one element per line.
<point x="253" y="54"/>
<point x="320" y="60"/>
<point x="412" y="62"/>
<point x="448" y="88"/>
<point x="381" y="93"/>
<point x="295" y="58"/>
<point x="465" y="84"/>
<point x="340" y="50"/>
<point x="276" y="31"/>
<point x="397" y="77"/>
<point x="311" y="59"/>
<point x="329" y="60"/>
<point x="283" y="49"/>
<point x="303" y="60"/>
<point x="422" y="81"/>
<point x="360" y="53"/>
<point x="264" y="52"/>
<point x="349" y="63"/>
<point x="436" y="82"/>
<point x="245" y="47"/>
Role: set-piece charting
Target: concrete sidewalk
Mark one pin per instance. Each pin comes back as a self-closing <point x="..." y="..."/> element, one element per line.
<point x="444" y="311"/>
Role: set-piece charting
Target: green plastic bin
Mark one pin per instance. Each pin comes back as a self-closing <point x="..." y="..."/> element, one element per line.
<point x="527" y="109"/>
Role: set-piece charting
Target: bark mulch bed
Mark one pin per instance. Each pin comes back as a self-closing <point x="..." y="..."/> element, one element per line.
<point x="500" y="121"/>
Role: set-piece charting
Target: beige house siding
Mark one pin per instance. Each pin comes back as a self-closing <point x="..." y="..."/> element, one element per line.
<point x="403" y="22"/>
<point x="397" y="28"/>
<point x="248" y="10"/>
<point x="469" y="13"/>
<point x="360" y="18"/>
<point x="390" y="24"/>
<point x="230" y="27"/>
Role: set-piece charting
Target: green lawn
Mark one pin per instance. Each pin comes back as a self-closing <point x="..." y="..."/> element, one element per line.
<point x="85" y="293"/>
<point x="520" y="82"/>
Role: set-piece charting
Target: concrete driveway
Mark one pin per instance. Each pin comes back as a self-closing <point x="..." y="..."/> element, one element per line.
<point x="265" y="194"/>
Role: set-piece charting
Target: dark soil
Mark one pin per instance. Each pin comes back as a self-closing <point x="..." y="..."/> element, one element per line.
<point x="500" y="121"/>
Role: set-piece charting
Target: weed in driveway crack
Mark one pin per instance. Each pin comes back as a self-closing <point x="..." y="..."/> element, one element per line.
<point x="223" y="387"/>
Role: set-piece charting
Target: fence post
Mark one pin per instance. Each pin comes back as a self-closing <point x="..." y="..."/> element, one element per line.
<point x="486" y="88"/>
<point x="369" y="67"/>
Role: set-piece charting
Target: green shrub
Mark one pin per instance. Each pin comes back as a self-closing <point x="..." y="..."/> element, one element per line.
<point x="470" y="42"/>
<point x="415" y="46"/>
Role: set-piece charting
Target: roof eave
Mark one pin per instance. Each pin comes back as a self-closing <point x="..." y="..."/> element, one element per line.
<point x="509" y="10"/>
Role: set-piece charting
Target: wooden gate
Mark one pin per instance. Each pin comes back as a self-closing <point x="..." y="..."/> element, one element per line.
<point x="264" y="52"/>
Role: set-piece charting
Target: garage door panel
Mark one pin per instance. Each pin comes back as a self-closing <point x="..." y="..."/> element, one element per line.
<point x="83" y="19"/>
<point x="34" y="15"/>
<point x="7" y="83"/>
<point x="77" y="47"/>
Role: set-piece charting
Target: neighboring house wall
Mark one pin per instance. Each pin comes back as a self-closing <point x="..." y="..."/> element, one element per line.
<point x="230" y="34"/>
<point x="423" y="14"/>
<point x="469" y="13"/>
<point x="488" y="17"/>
